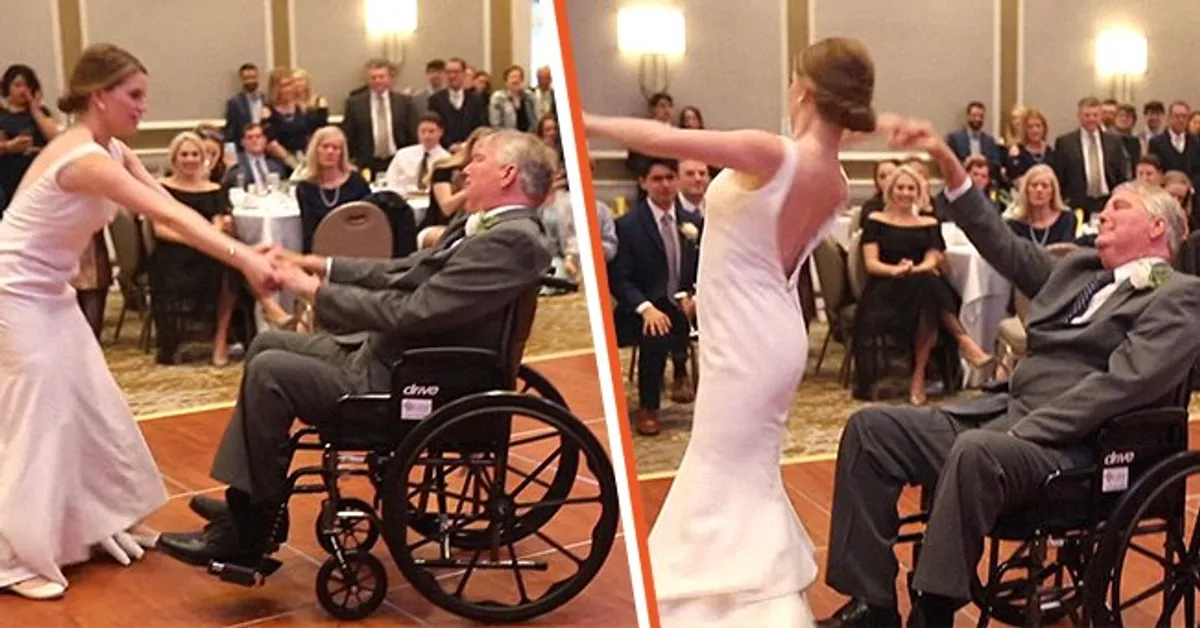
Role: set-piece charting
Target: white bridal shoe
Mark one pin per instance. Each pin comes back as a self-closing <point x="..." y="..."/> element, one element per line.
<point x="38" y="588"/>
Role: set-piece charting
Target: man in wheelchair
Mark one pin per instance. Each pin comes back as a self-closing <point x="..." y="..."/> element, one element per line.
<point x="1110" y="330"/>
<point x="451" y="295"/>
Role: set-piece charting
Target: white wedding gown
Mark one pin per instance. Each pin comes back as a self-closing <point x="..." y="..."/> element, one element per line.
<point x="727" y="548"/>
<point x="74" y="469"/>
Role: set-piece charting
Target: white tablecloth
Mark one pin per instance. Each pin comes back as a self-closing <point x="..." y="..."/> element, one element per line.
<point x="269" y="219"/>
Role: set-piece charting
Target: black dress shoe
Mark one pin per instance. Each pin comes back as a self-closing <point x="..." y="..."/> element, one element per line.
<point x="208" y="507"/>
<point x="218" y="541"/>
<point x="858" y="614"/>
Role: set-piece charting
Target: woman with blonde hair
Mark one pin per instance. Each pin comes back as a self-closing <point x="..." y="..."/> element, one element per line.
<point x="727" y="548"/>
<point x="1032" y="146"/>
<point x="1039" y="213"/>
<point x="314" y="104"/>
<point x="906" y="295"/>
<point x="75" y="471"/>
<point x="185" y="282"/>
<point x="288" y="124"/>
<point x="330" y="180"/>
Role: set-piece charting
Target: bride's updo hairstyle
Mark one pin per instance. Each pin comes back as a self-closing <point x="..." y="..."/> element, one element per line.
<point x="843" y="79"/>
<point x="102" y="66"/>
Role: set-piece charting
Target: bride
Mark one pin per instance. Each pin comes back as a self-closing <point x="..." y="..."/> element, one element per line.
<point x="75" y="472"/>
<point x="727" y="547"/>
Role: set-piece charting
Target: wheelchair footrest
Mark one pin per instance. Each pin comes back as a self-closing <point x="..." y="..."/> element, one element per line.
<point x="243" y="575"/>
<point x="462" y="563"/>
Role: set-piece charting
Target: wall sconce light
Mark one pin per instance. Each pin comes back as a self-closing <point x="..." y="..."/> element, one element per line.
<point x="1121" y="58"/>
<point x="655" y="33"/>
<point x="391" y="22"/>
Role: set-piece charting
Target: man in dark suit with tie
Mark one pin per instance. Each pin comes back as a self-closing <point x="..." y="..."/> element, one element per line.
<point x="462" y="109"/>
<point x="1090" y="162"/>
<point x="973" y="140"/>
<point x="451" y="295"/>
<point x="254" y="165"/>
<point x="379" y="120"/>
<point x="245" y="106"/>
<point x="653" y="279"/>
<point x="1176" y="148"/>
<point x="1111" y="329"/>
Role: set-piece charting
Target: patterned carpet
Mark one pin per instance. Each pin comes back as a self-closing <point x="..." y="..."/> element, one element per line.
<point x="561" y="325"/>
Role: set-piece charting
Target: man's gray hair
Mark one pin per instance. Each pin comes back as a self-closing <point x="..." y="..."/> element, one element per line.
<point x="535" y="161"/>
<point x="1161" y="204"/>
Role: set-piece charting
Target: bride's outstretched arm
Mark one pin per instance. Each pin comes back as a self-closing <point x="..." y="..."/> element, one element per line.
<point x="754" y="152"/>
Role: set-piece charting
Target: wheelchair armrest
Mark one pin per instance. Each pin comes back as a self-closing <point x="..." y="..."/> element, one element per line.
<point x="1148" y="419"/>
<point x="378" y="405"/>
<point x="448" y="353"/>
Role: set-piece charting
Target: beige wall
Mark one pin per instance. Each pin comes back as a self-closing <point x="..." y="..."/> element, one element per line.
<point x="733" y="68"/>
<point x="34" y="43"/>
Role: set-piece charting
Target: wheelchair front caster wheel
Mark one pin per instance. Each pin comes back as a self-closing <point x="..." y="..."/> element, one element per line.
<point x="355" y="525"/>
<point x="354" y="591"/>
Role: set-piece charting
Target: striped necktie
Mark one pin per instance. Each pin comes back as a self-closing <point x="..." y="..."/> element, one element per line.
<point x="1081" y="302"/>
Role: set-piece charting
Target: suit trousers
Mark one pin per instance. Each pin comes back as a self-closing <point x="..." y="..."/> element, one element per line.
<point x="287" y="376"/>
<point x="652" y="357"/>
<point x="976" y="475"/>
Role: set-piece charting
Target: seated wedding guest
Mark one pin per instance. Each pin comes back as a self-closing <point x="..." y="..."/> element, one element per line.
<point x="188" y="285"/>
<point x="453" y="295"/>
<point x="883" y="171"/>
<point x="330" y="180"/>
<point x="410" y="168"/>
<point x="1031" y="147"/>
<point x="93" y="280"/>
<point x="447" y="196"/>
<point x="547" y="130"/>
<point x="1180" y="186"/>
<point x="1039" y="214"/>
<point x="980" y="172"/>
<point x="315" y="106"/>
<point x="654" y="290"/>
<point x="254" y="165"/>
<point x="287" y="124"/>
<point x="512" y="107"/>
<point x="1149" y="169"/>
<point x="1111" y="329"/>
<point x="555" y="215"/>
<point x="214" y="152"/>
<point x="26" y="126"/>
<point x="906" y="297"/>
<point x="691" y="118"/>
<point x="694" y="177"/>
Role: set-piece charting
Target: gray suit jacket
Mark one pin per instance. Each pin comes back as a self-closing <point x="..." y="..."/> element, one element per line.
<point x="451" y="295"/>
<point x="1134" y="351"/>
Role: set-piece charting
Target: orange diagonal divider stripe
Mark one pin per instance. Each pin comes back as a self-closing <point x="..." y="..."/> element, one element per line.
<point x="583" y="200"/>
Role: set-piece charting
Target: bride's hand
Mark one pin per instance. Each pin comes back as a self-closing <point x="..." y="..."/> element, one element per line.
<point x="262" y="275"/>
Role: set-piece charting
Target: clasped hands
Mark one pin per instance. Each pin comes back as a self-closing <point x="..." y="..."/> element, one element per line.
<point x="907" y="267"/>
<point x="286" y="270"/>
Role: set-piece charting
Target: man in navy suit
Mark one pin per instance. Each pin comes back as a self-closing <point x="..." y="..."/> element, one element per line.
<point x="253" y="162"/>
<point x="653" y="279"/>
<point x="973" y="140"/>
<point x="245" y="106"/>
<point x="462" y="109"/>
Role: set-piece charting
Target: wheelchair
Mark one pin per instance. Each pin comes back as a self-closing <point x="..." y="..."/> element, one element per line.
<point x="1065" y="553"/>
<point x="476" y="463"/>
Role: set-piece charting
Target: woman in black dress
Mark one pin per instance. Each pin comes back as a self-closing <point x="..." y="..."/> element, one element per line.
<point x="288" y="125"/>
<point x="446" y="195"/>
<point x="906" y="295"/>
<point x="331" y="181"/>
<point x="1031" y="149"/>
<point x="26" y="126"/>
<point x="185" y="282"/>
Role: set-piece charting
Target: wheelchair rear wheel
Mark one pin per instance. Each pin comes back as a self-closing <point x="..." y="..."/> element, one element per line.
<point x="1152" y="536"/>
<point x="529" y="382"/>
<point x="536" y="545"/>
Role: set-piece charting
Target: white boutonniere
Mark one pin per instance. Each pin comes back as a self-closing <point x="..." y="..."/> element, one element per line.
<point x="1147" y="275"/>
<point x="689" y="231"/>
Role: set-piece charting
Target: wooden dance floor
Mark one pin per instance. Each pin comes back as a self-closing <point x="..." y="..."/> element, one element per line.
<point x="162" y="592"/>
<point x="810" y="487"/>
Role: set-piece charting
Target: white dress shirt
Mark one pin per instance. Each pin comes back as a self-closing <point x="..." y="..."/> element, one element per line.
<point x="406" y="165"/>
<point x="695" y="208"/>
